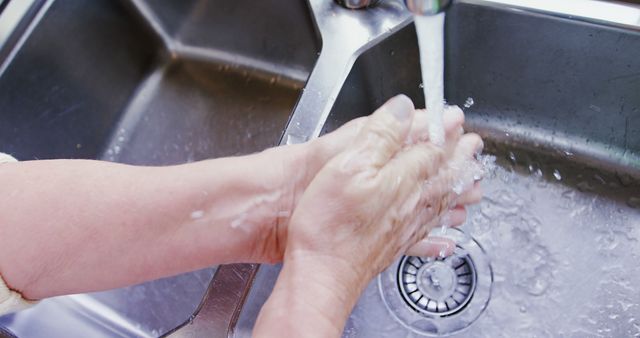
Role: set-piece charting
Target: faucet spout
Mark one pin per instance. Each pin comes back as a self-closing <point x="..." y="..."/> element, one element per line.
<point x="427" y="7"/>
<point x="417" y="7"/>
<point x="357" y="4"/>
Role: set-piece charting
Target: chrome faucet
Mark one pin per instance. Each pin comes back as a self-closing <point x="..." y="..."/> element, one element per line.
<point x="418" y="7"/>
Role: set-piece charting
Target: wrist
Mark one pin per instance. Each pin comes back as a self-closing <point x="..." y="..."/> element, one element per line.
<point x="313" y="296"/>
<point x="285" y="172"/>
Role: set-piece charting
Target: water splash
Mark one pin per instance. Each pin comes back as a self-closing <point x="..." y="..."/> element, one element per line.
<point x="550" y="246"/>
<point x="468" y="172"/>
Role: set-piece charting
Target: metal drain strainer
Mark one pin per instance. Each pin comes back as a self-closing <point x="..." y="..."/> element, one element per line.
<point x="436" y="296"/>
<point x="437" y="286"/>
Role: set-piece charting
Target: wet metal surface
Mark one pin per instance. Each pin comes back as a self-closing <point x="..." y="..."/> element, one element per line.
<point x="167" y="82"/>
<point x="557" y="105"/>
<point x="151" y="83"/>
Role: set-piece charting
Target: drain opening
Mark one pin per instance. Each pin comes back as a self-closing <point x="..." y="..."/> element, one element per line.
<point x="437" y="286"/>
<point x="434" y="296"/>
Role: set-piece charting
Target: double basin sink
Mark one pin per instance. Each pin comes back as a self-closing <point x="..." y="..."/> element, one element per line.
<point x="165" y="82"/>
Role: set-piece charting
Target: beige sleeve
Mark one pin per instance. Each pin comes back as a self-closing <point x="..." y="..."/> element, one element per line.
<point x="10" y="301"/>
<point x="4" y="158"/>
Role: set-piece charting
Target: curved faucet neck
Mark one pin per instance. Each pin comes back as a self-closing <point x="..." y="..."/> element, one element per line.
<point x="417" y="7"/>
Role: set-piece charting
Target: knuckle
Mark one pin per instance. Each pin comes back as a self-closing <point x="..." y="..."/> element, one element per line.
<point x="431" y="160"/>
<point x="381" y="132"/>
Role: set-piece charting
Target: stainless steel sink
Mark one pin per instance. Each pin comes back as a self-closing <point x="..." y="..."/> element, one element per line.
<point x="554" y="94"/>
<point x="152" y="83"/>
<point x="556" y="100"/>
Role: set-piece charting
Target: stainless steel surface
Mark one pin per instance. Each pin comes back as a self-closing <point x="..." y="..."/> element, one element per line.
<point x="357" y="4"/>
<point x="626" y="15"/>
<point x="418" y="7"/>
<point x="4" y="333"/>
<point x="345" y="34"/>
<point x="152" y="83"/>
<point x="358" y="30"/>
<point x="432" y="296"/>
<point x="565" y="91"/>
<point x="562" y="94"/>
<point x="17" y="19"/>
<point x="551" y="102"/>
<point x="437" y="286"/>
<point x="427" y="7"/>
<point x="214" y="317"/>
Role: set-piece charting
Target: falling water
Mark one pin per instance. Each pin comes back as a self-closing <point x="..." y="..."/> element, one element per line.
<point x="430" y="30"/>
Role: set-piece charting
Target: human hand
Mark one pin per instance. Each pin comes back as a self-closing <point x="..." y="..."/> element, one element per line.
<point x="368" y="205"/>
<point x="302" y="162"/>
<point x="380" y="196"/>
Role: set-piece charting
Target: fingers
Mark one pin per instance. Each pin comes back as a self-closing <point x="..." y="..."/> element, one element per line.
<point x="458" y="176"/>
<point x="432" y="246"/>
<point x="418" y="162"/>
<point x="464" y="169"/>
<point x="420" y="128"/>
<point x="468" y="146"/>
<point x="331" y="144"/>
<point x="385" y="132"/>
<point x="454" y="217"/>
<point x="452" y="120"/>
<point x="471" y="196"/>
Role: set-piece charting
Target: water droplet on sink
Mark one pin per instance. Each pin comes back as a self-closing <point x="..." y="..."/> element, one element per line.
<point x="556" y="174"/>
<point x="634" y="202"/>
<point x="469" y="102"/>
<point x="584" y="186"/>
<point x="535" y="170"/>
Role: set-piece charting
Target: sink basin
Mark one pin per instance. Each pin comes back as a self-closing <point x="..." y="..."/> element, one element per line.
<point x="151" y="83"/>
<point x="556" y="102"/>
<point x="164" y="82"/>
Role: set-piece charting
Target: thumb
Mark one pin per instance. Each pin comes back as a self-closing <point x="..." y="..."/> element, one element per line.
<point x="385" y="132"/>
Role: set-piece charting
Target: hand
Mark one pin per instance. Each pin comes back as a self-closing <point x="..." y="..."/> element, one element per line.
<point x="365" y="207"/>
<point x="302" y="162"/>
<point x="370" y="203"/>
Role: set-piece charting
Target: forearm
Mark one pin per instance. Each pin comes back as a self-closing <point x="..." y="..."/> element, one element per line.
<point x="76" y="226"/>
<point x="312" y="298"/>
